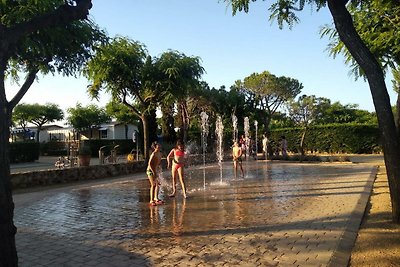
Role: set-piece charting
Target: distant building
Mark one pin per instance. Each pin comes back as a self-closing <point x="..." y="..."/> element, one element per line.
<point x="29" y="133"/>
<point x="111" y="131"/>
<point x="108" y="131"/>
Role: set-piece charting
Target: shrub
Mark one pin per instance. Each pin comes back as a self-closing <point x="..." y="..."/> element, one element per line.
<point x="53" y="148"/>
<point x="297" y="157"/>
<point x="333" y="138"/>
<point x="24" y="152"/>
<point x="85" y="150"/>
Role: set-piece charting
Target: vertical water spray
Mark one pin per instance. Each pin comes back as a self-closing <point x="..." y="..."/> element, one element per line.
<point x="204" y="134"/>
<point x="235" y="128"/>
<point x="219" y="129"/>
<point x="246" y="134"/>
<point x="164" y="184"/>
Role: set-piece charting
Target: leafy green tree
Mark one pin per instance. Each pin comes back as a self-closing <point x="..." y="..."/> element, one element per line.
<point x="122" y="114"/>
<point x="179" y="76"/>
<point x="234" y="104"/>
<point x="265" y="93"/>
<point x="85" y="118"/>
<point x="38" y="114"/>
<point x="338" y="113"/>
<point x="36" y="36"/>
<point x="225" y="103"/>
<point x="304" y="112"/>
<point x="21" y="116"/>
<point x="281" y="120"/>
<point x="378" y="24"/>
<point x="167" y="122"/>
<point x="285" y="12"/>
<point x="124" y="70"/>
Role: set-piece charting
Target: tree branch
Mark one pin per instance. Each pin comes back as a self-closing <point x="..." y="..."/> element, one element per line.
<point x="61" y="16"/>
<point x="24" y="88"/>
<point x="135" y="111"/>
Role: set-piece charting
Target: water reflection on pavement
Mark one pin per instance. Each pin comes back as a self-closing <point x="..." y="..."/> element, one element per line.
<point x="276" y="214"/>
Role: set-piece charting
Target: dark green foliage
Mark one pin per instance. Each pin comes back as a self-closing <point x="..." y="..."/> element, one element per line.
<point x="85" y="150"/>
<point x="298" y="157"/>
<point x="339" y="158"/>
<point x="24" y="152"/>
<point x="83" y="118"/>
<point x="53" y="148"/>
<point x="152" y="125"/>
<point x="333" y="138"/>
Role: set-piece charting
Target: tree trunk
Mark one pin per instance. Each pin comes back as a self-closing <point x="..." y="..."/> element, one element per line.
<point x="303" y="136"/>
<point x="363" y="56"/>
<point x="183" y="121"/>
<point x="398" y="113"/>
<point x="8" y="252"/>
<point x="152" y="126"/>
<point x="38" y="129"/>
<point x="9" y="36"/>
<point x="167" y="124"/>
<point x="145" y="137"/>
<point x="267" y="121"/>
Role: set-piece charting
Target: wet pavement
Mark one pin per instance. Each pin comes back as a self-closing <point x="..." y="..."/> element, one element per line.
<point x="279" y="214"/>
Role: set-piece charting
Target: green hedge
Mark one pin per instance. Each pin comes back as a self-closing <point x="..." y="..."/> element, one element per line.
<point x="53" y="148"/>
<point x="24" y="152"/>
<point x="332" y="138"/>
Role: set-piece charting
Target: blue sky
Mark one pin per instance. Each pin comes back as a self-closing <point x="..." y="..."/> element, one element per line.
<point x="231" y="48"/>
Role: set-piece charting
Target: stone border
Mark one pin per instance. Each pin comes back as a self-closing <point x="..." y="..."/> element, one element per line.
<point x="341" y="256"/>
<point x="31" y="179"/>
<point x="61" y="176"/>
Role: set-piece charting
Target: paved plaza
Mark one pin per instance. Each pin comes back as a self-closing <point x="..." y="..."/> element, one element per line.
<point x="279" y="214"/>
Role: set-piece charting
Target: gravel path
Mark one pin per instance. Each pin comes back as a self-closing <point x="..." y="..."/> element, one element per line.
<point x="378" y="241"/>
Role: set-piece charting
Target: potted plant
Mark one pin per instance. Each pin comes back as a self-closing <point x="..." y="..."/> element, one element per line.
<point x="84" y="155"/>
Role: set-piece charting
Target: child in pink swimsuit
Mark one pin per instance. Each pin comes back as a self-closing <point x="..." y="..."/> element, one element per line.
<point x="177" y="156"/>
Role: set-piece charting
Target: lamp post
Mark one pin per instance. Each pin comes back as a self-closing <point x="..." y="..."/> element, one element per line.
<point x="256" y="126"/>
<point x="135" y="139"/>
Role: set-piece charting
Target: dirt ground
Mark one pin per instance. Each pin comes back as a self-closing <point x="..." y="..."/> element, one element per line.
<point x="378" y="241"/>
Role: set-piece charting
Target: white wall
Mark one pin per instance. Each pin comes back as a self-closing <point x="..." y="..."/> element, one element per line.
<point x="119" y="131"/>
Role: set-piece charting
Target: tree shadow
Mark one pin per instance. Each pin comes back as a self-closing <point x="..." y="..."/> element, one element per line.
<point x="46" y="249"/>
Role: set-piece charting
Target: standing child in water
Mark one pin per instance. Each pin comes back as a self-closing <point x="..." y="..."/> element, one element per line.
<point x="237" y="158"/>
<point x="177" y="156"/>
<point x="265" y="146"/>
<point x="153" y="175"/>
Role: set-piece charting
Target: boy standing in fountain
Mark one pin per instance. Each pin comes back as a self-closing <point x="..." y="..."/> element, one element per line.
<point x="265" y="145"/>
<point x="177" y="156"/>
<point x="237" y="158"/>
<point x="153" y="175"/>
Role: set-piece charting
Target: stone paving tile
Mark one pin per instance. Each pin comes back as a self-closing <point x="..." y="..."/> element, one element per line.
<point x="281" y="214"/>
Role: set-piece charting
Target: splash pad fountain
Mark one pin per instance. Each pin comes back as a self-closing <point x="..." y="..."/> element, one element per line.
<point x="235" y="128"/>
<point x="204" y="134"/>
<point x="246" y="135"/>
<point x="219" y="132"/>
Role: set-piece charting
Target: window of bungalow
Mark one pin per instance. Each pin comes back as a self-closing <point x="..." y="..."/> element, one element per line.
<point x="103" y="134"/>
